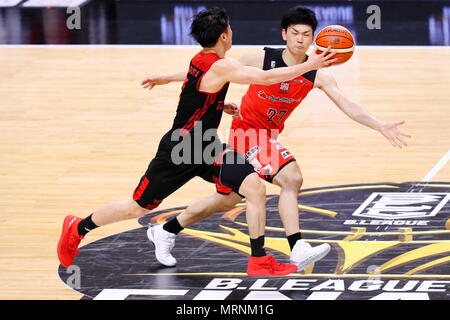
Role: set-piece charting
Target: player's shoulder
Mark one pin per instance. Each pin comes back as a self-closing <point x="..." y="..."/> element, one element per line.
<point x="226" y="64"/>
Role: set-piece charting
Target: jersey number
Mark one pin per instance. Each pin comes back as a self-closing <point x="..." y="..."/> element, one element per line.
<point x="272" y="113"/>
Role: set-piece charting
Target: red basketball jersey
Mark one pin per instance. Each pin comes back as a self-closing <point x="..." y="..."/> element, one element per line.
<point x="268" y="107"/>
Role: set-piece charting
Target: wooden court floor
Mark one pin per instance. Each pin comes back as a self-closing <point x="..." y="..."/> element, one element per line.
<point x="77" y="132"/>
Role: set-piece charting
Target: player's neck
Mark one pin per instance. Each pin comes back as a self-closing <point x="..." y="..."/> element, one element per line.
<point x="217" y="50"/>
<point x="291" y="59"/>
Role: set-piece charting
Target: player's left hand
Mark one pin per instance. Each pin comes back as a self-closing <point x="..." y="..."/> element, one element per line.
<point x="232" y="109"/>
<point x="155" y="80"/>
<point x="393" y="134"/>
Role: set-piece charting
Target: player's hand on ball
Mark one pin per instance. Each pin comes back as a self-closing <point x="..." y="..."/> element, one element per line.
<point x="232" y="109"/>
<point x="152" y="81"/>
<point x="393" y="134"/>
<point x="322" y="60"/>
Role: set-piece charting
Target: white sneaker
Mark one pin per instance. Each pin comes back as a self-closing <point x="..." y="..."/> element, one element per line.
<point x="304" y="254"/>
<point x="164" y="242"/>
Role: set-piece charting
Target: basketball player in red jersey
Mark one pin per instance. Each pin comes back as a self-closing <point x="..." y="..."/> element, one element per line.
<point x="265" y="108"/>
<point x="199" y="113"/>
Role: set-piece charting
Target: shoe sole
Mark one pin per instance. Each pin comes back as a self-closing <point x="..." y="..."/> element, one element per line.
<point x="312" y="259"/>
<point x="268" y="273"/>
<point x="285" y="273"/>
<point x="150" y="237"/>
<point x="259" y="273"/>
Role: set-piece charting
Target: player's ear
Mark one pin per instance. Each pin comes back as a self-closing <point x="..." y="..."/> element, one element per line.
<point x="224" y="35"/>
<point x="283" y="34"/>
<point x="223" y="38"/>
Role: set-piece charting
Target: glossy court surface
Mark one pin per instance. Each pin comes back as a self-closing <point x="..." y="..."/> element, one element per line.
<point x="78" y="132"/>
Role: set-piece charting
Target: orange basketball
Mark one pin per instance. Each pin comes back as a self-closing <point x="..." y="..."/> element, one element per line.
<point x="340" y="40"/>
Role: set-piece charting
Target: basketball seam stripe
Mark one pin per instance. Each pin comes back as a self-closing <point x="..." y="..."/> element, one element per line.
<point x="342" y="50"/>
<point x="335" y="35"/>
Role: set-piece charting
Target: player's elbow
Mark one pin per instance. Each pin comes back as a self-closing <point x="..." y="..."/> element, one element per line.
<point x="251" y="79"/>
<point x="269" y="79"/>
<point x="260" y="78"/>
<point x="266" y="80"/>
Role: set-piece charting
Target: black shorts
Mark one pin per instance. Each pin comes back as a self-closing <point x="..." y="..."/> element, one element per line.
<point x="163" y="177"/>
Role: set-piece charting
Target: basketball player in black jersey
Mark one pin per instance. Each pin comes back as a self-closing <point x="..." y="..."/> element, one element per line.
<point x="176" y="162"/>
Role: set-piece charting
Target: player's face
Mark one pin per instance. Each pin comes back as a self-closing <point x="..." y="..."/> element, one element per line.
<point x="298" y="38"/>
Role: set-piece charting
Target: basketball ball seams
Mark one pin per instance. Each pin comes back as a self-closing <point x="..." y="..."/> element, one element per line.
<point x="336" y="29"/>
<point x="325" y="46"/>
<point x="337" y="50"/>
<point x="334" y="35"/>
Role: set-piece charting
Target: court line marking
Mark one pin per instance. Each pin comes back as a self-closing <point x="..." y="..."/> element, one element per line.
<point x="437" y="167"/>
<point x="300" y="275"/>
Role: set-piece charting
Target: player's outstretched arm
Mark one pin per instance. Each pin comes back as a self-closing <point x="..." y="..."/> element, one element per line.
<point x="231" y="70"/>
<point x="358" y="113"/>
<point x="161" y="79"/>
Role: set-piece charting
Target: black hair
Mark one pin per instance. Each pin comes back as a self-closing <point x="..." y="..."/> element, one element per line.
<point x="208" y="25"/>
<point x="299" y="15"/>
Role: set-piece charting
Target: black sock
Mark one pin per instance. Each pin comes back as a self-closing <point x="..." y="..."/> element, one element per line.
<point x="86" y="225"/>
<point x="257" y="246"/>
<point x="292" y="239"/>
<point x="173" y="226"/>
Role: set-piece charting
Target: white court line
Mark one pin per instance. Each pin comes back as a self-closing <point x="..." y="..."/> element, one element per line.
<point x="437" y="167"/>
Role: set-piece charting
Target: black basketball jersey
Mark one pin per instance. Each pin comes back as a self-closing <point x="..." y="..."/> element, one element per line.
<point x="274" y="59"/>
<point x="197" y="111"/>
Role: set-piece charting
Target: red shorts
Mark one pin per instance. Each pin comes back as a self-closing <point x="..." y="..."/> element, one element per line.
<point x="265" y="154"/>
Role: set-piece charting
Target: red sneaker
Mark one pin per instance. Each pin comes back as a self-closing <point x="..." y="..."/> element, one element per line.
<point x="69" y="241"/>
<point x="268" y="266"/>
<point x="258" y="266"/>
<point x="281" y="269"/>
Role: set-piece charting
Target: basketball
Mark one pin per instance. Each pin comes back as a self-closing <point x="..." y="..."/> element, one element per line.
<point x="339" y="38"/>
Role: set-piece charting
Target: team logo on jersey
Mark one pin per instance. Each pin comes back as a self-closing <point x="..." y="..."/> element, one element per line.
<point x="252" y="153"/>
<point x="368" y="261"/>
<point x="284" y="86"/>
<point x="286" y="154"/>
<point x="261" y="94"/>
